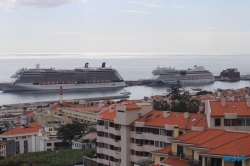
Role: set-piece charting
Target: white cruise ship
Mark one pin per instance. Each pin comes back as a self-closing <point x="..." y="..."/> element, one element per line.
<point x="78" y="78"/>
<point x="164" y="75"/>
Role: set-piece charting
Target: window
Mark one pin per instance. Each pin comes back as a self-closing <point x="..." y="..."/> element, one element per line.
<point x="106" y="135"/>
<point x="217" y="122"/>
<point x="247" y="121"/>
<point x="106" y="146"/>
<point x="169" y="133"/>
<point x="132" y="128"/>
<point x="161" y="144"/>
<point x="234" y="122"/>
<point x="156" y="143"/>
<point x="111" y="124"/>
<point x="106" y="123"/>
<point x="132" y="152"/>
<point x="180" y="132"/>
<point x="156" y="131"/>
<point x="162" y="158"/>
<point x="226" y="122"/>
<point x="48" y="144"/>
<point x="23" y="137"/>
<point x="241" y="122"/>
<point x="132" y="140"/>
<point x="162" y="132"/>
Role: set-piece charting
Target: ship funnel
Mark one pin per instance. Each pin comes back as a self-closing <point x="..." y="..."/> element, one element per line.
<point x="103" y="64"/>
<point x="61" y="95"/>
<point x="86" y="65"/>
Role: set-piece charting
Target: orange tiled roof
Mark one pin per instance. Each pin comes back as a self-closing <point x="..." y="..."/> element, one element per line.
<point x="18" y="130"/>
<point x="225" y="137"/>
<point x="28" y="114"/>
<point x="240" y="108"/>
<point x="131" y="106"/>
<point x="205" y="136"/>
<point x="176" y="118"/>
<point x="175" y="161"/>
<point x="164" y="150"/>
<point x="236" y="147"/>
<point x="110" y="116"/>
<point x="188" y="135"/>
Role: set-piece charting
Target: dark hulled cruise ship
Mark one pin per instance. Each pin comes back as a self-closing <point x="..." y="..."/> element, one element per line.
<point x="78" y="78"/>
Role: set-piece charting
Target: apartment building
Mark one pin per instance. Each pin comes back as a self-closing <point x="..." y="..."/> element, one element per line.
<point x="22" y="135"/>
<point x="127" y="133"/>
<point x="208" y="148"/>
<point x="228" y="115"/>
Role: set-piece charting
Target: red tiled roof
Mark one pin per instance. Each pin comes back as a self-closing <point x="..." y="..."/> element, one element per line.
<point x="236" y="147"/>
<point x="175" y="161"/>
<point x="188" y="135"/>
<point x="164" y="150"/>
<point x="31" y="128"/>
<point x="240" y="108"/>
<point x="225" y="137"/>
<point x="205" y="136"/>
<point x="176" y="118"/>
<point x="28" y="114"/>
<point x="131" y="106"/>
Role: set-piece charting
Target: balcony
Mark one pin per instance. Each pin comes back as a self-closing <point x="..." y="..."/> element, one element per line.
<point x="99" y="150"/>
<point x="99" y="128"/>
<point x="139" y="147"/>
<point x="117" y="155"/>
<point x="117" y="131"/>
<point x="117" y="143"/>
<point x="99" y="139"/>
<point x="139" y="135"/>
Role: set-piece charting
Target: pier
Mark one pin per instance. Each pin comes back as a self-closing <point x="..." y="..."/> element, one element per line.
<point x="35" y="104"/>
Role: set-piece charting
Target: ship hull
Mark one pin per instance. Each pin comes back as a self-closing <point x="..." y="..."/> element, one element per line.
<point x="31" y="87"/>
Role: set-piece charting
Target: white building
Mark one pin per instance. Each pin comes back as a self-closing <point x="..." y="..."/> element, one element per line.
<point x="228" y="115"/>
<point x="87" y="141"/>
<point x="46" y="139"/>
<point x="127" y="133"/>
<point x="22" y="137"/>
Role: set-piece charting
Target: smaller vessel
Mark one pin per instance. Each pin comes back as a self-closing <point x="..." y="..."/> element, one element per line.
<point x="245" y="77"/>
<point x="196" y="89"/>
<point x="229" y="75"/>
<point x="125" y="92"/>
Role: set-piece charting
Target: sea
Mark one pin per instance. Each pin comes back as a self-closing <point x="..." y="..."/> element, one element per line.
<point x="131" y="66"/>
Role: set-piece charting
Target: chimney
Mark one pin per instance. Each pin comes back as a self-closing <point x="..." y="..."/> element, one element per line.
<point x="87" y="65"/>
<point x="103" y="64"/>
<point x="219" y="94"/>
<point x="223" y="102"/>
<point x="186" y="115"/>
<point x="61" y="95"/>
<point x="248" y="102"/>
<point x="112" y="109"/>
<point x="166" y="114"/>
<point x="176" y="131"/>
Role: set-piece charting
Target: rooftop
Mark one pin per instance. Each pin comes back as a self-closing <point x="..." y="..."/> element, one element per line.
<point x="175" y="118"/>
<point x="29" y="129"/>
<point x="175" y="161"/>
<point x="239" y="107"/>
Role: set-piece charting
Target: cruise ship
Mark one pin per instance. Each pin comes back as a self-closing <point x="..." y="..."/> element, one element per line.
<point x="51" y="79"/>
<point x="168" y="75"/>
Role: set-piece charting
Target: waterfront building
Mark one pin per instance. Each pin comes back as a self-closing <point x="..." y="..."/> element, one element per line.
<point x="228" y="115"/>
<point x="87" y="141"/>
<point x="127" y="133"/>
<point x="208" y="148"/>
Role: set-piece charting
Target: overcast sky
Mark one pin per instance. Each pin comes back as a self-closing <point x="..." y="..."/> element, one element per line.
<point x="124" y="26"/>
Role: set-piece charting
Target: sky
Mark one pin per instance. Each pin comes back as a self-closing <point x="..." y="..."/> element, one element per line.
<point x="124" y="26"/>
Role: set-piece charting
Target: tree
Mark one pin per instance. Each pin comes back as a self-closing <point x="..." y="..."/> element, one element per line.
<point x="71" y="131"/>
<point x="24" y="109"/>
<point x="180" y="101"/>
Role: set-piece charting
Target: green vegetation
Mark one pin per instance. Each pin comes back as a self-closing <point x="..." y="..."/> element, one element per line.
<point x="49" y="158"/>
<point x="71" y="131"/>
<point x="180" y="101"/>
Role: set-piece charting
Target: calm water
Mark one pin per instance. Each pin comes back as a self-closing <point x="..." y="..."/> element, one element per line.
<point x="130" y="66"/>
